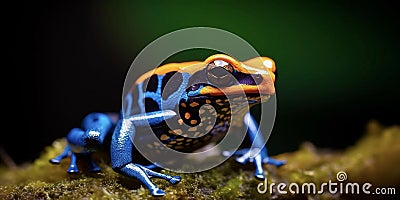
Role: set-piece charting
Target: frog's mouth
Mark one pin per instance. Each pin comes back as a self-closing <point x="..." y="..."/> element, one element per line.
<point x="233" y="99"/>
<point x="248" y="90"/>
<point x="247" y="94"/>
<point x="234" y="94"/>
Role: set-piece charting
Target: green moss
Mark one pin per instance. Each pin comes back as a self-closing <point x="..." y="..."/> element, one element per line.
<point x="374" y="159"/>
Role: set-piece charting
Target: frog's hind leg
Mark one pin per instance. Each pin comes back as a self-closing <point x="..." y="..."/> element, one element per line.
<point x="122" y="153"/>
<point x="121" y="156"/>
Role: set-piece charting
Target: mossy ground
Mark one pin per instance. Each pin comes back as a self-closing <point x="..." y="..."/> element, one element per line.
<point x="374" y="159"/>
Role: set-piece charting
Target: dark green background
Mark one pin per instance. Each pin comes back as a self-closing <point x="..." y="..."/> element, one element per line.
<point x="337" y="62"/>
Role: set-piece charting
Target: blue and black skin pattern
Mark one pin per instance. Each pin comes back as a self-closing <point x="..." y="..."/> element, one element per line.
<point x="174" y="94"/>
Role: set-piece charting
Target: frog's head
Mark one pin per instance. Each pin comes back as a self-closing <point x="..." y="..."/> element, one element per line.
<point x="221" y="75"/>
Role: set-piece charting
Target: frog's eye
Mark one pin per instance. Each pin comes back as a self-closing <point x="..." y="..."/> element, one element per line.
<point x="220" y="73"/>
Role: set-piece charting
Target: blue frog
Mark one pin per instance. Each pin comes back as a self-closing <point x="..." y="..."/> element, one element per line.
<point x="173" y="94"/>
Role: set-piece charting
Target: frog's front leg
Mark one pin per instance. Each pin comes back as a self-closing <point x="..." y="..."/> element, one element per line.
<point x="82" y="142"/>
<point x="257" y="153"/>
<point x="122" y="150"/>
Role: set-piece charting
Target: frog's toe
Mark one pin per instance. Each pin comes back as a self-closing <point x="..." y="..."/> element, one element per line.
<point x="259" y="175"/>
<point x="175" y="179"/>
<point x="275" y="162"/>
<point x="245" y="156"/>
<point x="242" y="159"/>
<point x="73" y="170"/>
<point x="157" y="192"/>
<point x="55" y="161"/>
<point x="228" y="153"/>
<point x="58" y="158"/>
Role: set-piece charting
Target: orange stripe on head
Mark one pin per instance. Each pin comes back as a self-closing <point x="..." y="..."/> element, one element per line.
<point x="236" y="64"/>
<point x="189" y="67"/>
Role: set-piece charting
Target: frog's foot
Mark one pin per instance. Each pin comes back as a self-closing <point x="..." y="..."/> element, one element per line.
<point x="269" y="160"/>
<point x="149" y="170"/>
<point x="73" y="167"/>
<point x="57" y="160"/>
<point x="157" y="192"/>
<point x="172" y="179"/>
<point x="256" y="157"/>
<point x="144" y="174"/>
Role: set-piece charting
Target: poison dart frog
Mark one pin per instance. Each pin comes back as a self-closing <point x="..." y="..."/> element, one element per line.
<point x="177" y="94"/>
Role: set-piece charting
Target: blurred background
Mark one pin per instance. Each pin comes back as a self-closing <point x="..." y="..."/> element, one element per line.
<point x="338" y="63"/>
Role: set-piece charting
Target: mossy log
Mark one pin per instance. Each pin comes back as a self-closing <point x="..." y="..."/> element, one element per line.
<point x="373" y="159"/>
